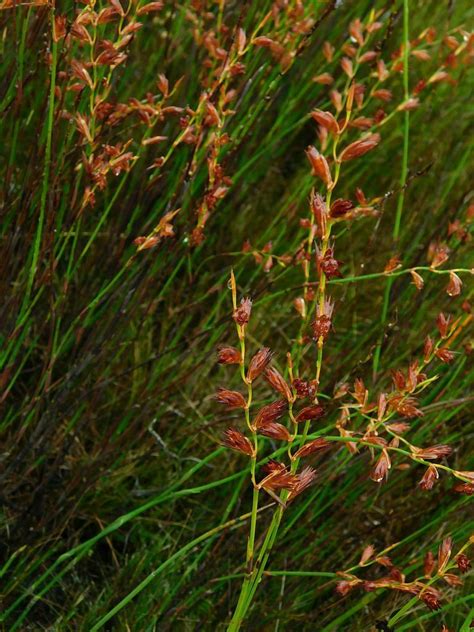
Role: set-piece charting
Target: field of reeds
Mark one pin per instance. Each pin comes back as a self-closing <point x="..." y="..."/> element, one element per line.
<point x="236" y="259"/>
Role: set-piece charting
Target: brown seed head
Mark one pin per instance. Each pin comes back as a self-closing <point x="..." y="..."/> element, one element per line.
<point x="304" y="480"/>
<point x="274" y="430"/>
<point x="320" y="212"/>
<point x="429" y="564"/>
<point x="258" y="363"/>
<point x="340" y="207"/>
<point x="309" y="413"/>
<point x="237" y="441"/>
<point x="270" y="413"/>
<point x="430" y="597"/>
<point x="326" y="119"/>
<point x="360" y="147"/>
<point x="433" y="453"/>
<point x="443" y="322"/>
<point x="380" y="471"/>
<point x="429" y="478"/>
<point x="231" y="399"/>
<point x="454" y="286"/>
<point x="444" y="553"/>
<point x="445" y="355"/>
<point x="242" y="314"/>
<point x="228" y="355"/>
<point x="311" y="447"/>
<point x="463" y="562"/>
<point x="277" y="382"/>
<point x="319" y="164"/>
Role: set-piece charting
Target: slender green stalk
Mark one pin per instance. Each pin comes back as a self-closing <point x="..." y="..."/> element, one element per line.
<point x="403" y="181"/>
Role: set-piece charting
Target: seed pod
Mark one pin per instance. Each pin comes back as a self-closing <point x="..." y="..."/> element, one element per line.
<point x="270" y="413"/>
<point x="309" y="413"/>
<point x="430" y="598"/>
<point x="443" y="323"/>
<point x="324" y="79"/>
<point x="444" y="553"/>
<point x="242" y="314"/>
<point x="300" y="306"/>
<point x="360" y="147"/>
<point x="409" y="104"/>
<point x="319" y="164"/>
<point x="320" y="212"/>
<point x="417" y="281"/>
<point x="311" y="447"/>
<point x="380" y="471"/>
<point x="326" y="119"/>
<point x="228" y="355"/>
<point x="304" y="480"/>
<point x="277" y="382"/>
<point x="237" y="441"/>
<point x="429" y="477"/>
<point x="463" y="562"/>
<point x="433" y="452"/>
<point x="340" y="207"/>
<point x="328" y="51"/>
<point x="445" y="355"/>
<point x="274" y="431"/>
<point x="336" y="100"/>
<point x="346" y="65"/>
<point x="429" y="564"/>
<point x="367" y="553"/>
<point x="454" y="286"/>
<point x="464" y="488"/>
<point x="258" y="363"/>
<point x="278" y="477"/>
<point x="231" y="399"/>
<point x="382" y="94"/>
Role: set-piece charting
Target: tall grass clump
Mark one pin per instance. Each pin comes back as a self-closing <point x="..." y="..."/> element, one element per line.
<point x="236" y="326"/>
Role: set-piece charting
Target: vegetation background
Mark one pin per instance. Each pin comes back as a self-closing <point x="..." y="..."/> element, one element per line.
<point x="111" y="464"/>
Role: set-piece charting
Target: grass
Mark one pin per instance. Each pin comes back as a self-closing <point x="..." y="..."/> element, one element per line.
<point x="120" y="508"/>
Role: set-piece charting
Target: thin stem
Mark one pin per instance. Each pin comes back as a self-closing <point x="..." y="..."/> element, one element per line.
<point x="403" y="180"/>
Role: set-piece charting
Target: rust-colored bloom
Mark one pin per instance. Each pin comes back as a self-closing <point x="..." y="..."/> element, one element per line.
<point x="278" y="477"/>
<point x="309" y="413"/>
<point x="429" y="478"/>
<point x="445" y="355"/>
<point x="433" y="452"/>
<point x="237" y="441"/>
<point x="326" y="119"/>
<point x="274" y="430"/>
<point x="320" y="211"/>
<point x="319" y="164"/>
<point x="444" y="553"/>
<point x="231" y="399"/>
<point x="340" y="207"/>
<point x="443" y="322"/>
<point x="380" y="471"/>
<point x="360" y="147"/>
<point x="463" y="562"/>
<point x="454" y="286"/>
<point x="328" y="264"/>
<point x="304" y="388"/>
<point x="228" y="355"/>
<point x="367" y="553"/>
<point x="258" y="363"/>
<point x="417" y="280"/>
<point x="430" y="597"/>
<point x="311" y="447"/>
<point x="429" y="564"/>
<point x="277" y="382"/>
<point x="242" y="314"/>
<point x="303" y="481"/>
<point x="270" y="413"/>
<point x="322" y="324"/>
<point x="464" y="488"/>
<point x="405" y="406"/>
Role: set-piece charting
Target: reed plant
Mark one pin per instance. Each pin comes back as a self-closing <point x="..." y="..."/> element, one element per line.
<point x="236" y="326"/>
